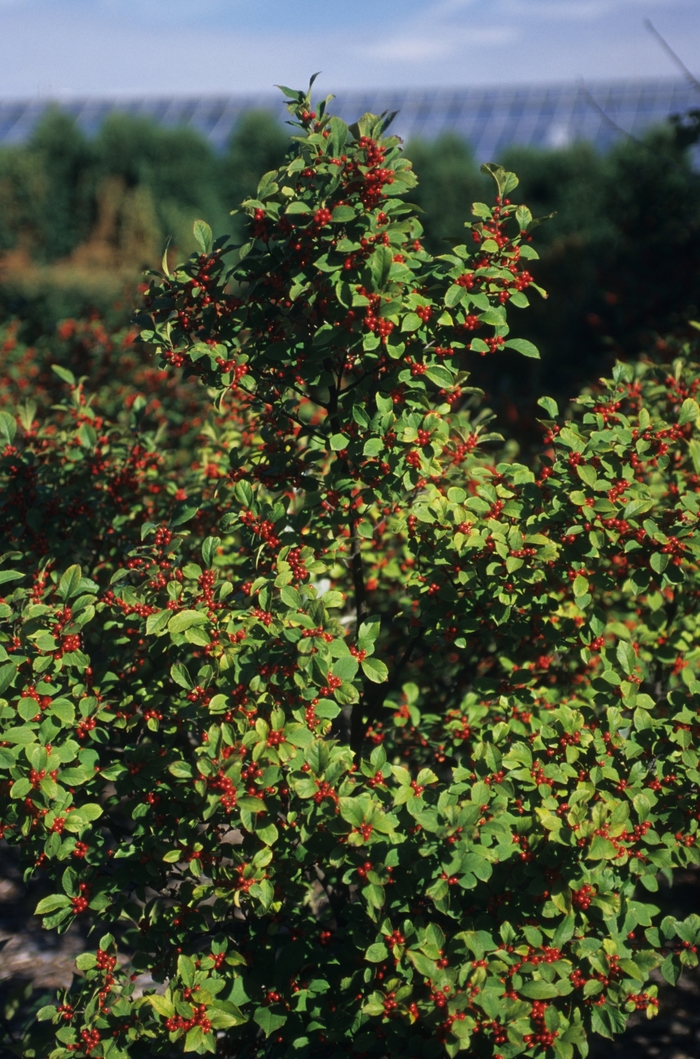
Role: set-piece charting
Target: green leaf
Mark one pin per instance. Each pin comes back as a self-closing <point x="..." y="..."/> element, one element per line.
<point x="522" y="346"/>
<point x="690" y="411"/>
<point x="440" y="375"/>
<point x="209" y="549"/>
<point x="374" y="447"/>
<point x="671" y="969"/>
<point x="181" y="676"/>
<point x="601" y="849"/>
<point x="341" y="214"/>
<point x="10" y="575"/>
<point x="204" y="236"/>
<point x="180" y="769"/>
<point x="267" y="1021"/>
<point x="64" y="374"/>
<point x="505" y="181"/>
<point x="157" y="622"/>
<point x="7" y="675"/>
<point x="51" y="904"/>
<point x="580" y="585"/>
<point x="64" y="710"/>
<point x="411" y="322"/>
<point x="185" y="619"/>
<point x="163" y="1005"/>
<point x="69" y="585"/>
<point x="8" y="427"/>
<point x="339" y="442"/>
<point x="626" y="656"/>
<point x="375" y="670"/>
<point x="550" y="406"/>
<point x="377" y="953"/>
<point x="23" y="734"/>
<point x="345" y="667"/>
<point x="539" y="990"/>
<point x="298" y="207"/>
<point x="454" y="295"/>
<point x="194" y="1039"/>
<point x="353" y="810"/>
<point x="380" y="266"/>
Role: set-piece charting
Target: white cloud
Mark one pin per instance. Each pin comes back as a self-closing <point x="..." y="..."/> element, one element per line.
<point x="438" y="44"/>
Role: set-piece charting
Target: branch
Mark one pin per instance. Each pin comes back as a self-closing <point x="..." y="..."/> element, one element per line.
<point x="672" y="55"/>
<point x="623" y="132"/>
<point x="375" y="695"/>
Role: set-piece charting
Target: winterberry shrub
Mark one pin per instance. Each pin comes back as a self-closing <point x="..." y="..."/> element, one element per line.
<point x="355" y="735"/>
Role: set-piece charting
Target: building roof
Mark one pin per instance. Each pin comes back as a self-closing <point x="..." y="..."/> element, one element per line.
<point x="489" y="118"/>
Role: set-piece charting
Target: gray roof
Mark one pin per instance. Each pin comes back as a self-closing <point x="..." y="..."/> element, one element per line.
<point x="489" y="118"/>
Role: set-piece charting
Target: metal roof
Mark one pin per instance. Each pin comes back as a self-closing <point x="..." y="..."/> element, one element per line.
<point x="489" y="118"/>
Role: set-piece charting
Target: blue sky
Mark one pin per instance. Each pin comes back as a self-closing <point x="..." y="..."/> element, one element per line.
<point x="132" y="47"/>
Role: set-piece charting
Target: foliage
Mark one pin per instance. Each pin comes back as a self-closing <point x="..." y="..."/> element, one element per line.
<point x="352" y="737"/>
<point x="619" y="253"/>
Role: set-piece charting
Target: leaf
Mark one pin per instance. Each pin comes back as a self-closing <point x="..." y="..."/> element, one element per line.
<point x="204" y="236"/>
<point x="454" y="295"/>
<point x="345" y="667"/>
<point x="377" y="953"/>
<point x="194" y="1038"/>
<point x="69" y="584"/>
<point x="157" y="622"/>
<point x="338" y="442"/>
<point x="8" y="427"/>
<point x="411" y="322"/>
<point x="223" y="1017"/>
<point x="353" y="810"/>
<point x="580" y="585"/>
<point x="268" y="834"/>
<point x="10" y="575"/>
<point x="23" y="734"/>
<point x="64" y="710"/>
<point x="298" y="207"/>
<point x="51" y="904"/>
<point x="549" y="405"/>
<point x="209" y="549"/>
<point x="267" y="1021"/>
<point x="7" y="675"/>
<point x="185" y="619"/>
<point x="375" y="670"/>
<point x="626" y="656"/>
<point x="671" y="969"/>
<point x="690" y="411"/>
<point x="536" y="990"/>
<point x="74" y="777"/>
<point x="587" y="474"/>
<point x="64" y="374"/>
<point x="522" y="346"/>
<point x="505" y="181"/>
<point x="343" y="213"/>
<point x="380" y="266"/>
<point x="161" y="1004"/>
<point x="440" y="375"/>
<point x="601" y="849"/>
<point x="7" y="758"/>
<point x="180" y="675"/>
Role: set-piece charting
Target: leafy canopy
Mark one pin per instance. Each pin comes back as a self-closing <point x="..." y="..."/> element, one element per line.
<point x="355" y="735"/>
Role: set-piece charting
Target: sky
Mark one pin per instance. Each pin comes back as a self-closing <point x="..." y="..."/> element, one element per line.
<point x="67" y="48"/>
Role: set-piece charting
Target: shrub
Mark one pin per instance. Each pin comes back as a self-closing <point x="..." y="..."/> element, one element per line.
<point x="354" y="738"/>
